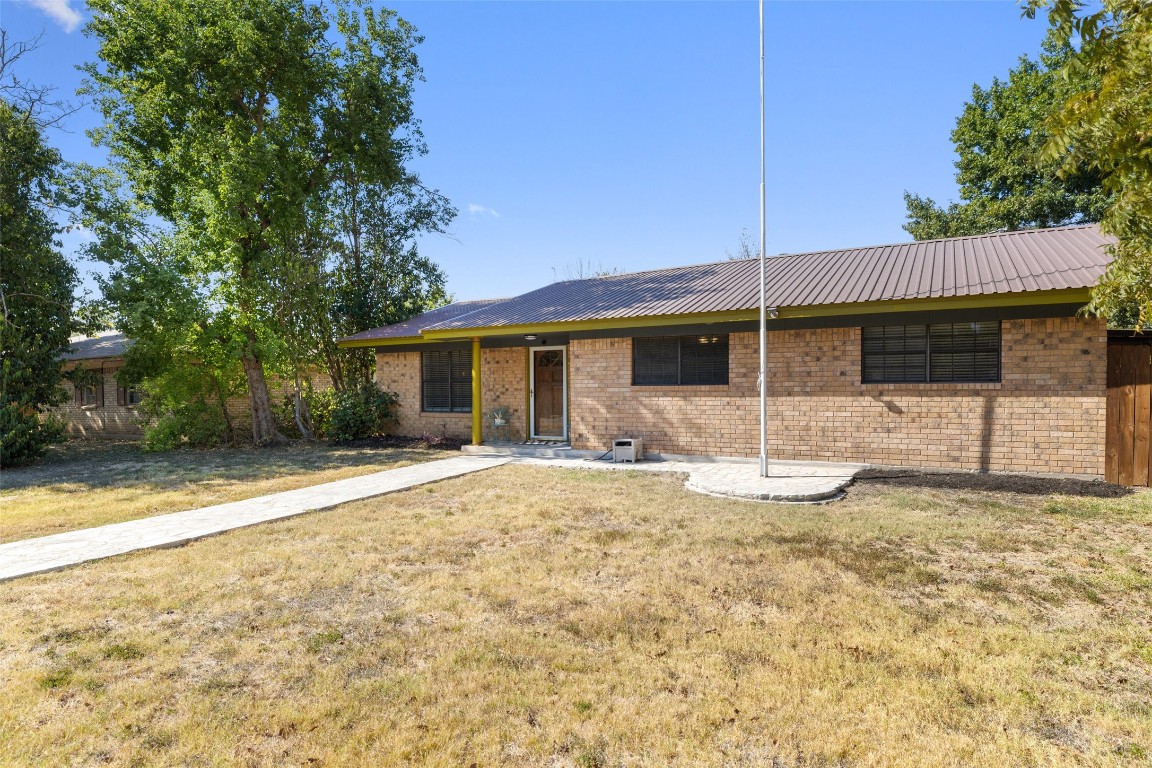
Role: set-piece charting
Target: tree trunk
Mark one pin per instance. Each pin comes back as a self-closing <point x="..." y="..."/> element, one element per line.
<point x="303" y="417"/>
<point x="264" y="431"/>
<point x="335" y="371"/>
<point x="224" y="409"/>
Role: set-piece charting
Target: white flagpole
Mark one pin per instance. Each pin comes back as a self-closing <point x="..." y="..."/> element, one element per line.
<point x="763" y="306"/>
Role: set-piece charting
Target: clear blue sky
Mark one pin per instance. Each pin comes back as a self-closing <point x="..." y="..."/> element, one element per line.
<point x="626" y="134"/>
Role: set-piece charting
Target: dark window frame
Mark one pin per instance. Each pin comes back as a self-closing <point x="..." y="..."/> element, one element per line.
<point x="128" y="396"/>
<point x="706" y="365"/>
<point x="457" y="360"/>
<point x="968" y="346"/>
<point x="88" y="395"/>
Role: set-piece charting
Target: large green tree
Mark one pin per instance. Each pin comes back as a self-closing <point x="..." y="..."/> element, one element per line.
<point x="1108" y="128"/>
<point x="356" y="265"/>
<point x="230" y="119"/>
<point x="1005" y="182"/>
<point x="378" y="276"/>
<point x="184" y="353"/>
<point x="36" y="280"/>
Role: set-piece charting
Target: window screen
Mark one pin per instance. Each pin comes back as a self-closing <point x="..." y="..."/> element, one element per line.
<point x="942" y="352"/>
<point x="673" y="360"/>
<point x="447" y="380"/>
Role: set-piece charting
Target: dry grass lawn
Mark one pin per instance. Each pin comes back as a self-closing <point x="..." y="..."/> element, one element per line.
<point x="82" y="484"/>
<point x="530" y="616"/>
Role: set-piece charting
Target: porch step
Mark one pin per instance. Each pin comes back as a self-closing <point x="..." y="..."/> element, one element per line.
<point x="555" y="451"/>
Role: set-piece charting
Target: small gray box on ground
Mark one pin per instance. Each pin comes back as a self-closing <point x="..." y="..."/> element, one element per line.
<point x="627" y="449"/>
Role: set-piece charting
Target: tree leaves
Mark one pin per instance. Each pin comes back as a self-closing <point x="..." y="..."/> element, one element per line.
<point x="36" y="285"/>
<point x="1108" y="128"/>
<point x="239" y="124"/>
<point x="1006" y="182"/>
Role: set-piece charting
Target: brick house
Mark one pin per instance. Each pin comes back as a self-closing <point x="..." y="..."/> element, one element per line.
<point x="104" y="408"/>
<point x="962" y="353"/>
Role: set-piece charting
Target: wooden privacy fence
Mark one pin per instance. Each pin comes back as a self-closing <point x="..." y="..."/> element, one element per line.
<point x="1128" y="453"/>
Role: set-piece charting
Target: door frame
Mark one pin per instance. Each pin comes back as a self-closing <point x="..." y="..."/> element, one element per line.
<point x="532" y="393"/>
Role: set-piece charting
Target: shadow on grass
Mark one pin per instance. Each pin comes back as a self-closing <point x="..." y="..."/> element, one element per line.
<point x="873" y="562"/>
<point x="970" y="481"/>
<point x="92" y="465"/>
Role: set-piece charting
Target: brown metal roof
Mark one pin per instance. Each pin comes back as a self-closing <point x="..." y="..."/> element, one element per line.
<point x="413" y="327"/>
<point x="1009" y="262"/>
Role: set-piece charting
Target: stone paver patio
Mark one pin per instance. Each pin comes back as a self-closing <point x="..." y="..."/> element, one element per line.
<point x="787" y="481"/>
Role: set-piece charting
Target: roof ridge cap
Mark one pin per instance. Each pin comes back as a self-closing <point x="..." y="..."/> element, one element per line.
<point x="1014" y="232"/>
<point x="1008" y="233"/>
<point x="470" y="301"/>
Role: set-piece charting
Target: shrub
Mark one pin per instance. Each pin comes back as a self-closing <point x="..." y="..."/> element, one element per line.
<point x="195" y="424"/>
<point x="25" y="433"/>
<point x="320" y="403"/>
<point x="183" y="402"/>
<point x="364" y="411"/>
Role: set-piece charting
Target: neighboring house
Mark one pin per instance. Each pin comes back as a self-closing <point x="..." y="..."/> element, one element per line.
<point x="108" y="410"/>
<point x="104" y="409"/>
<point x="964" y="353"/>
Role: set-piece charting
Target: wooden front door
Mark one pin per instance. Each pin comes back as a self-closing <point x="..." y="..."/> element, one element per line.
<point x="1128" y="450"/>
<point x="548" y="400"/>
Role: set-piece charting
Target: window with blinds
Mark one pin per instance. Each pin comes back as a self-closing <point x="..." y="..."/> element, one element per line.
<point x="941" y="352"/>
<point x="680" y="360"/>
<point x="447" y="381"/>
<point x="895" y="353"/>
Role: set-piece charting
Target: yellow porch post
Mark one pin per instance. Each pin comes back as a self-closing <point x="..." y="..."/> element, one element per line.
<point x="477" y="409"/>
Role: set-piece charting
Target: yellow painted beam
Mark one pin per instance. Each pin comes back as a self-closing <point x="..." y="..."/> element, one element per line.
<point x="1025" y="298"/>
<point x="477" y="408"/>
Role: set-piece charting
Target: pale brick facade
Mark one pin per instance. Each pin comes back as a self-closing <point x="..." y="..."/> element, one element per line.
<point x="105" y="418"/>
<point x="1046" y="414"/>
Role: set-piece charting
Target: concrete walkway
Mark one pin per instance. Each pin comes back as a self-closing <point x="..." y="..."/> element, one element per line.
<point x="787" y="481"/>
<point x="50" y="553"/>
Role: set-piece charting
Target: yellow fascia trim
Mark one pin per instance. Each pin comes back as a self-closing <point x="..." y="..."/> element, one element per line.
<point x="594" y="325"/>
<point x="395" y="342"/>
<point x="985" y="301"/>
<point x="1021" y="299"/>
<point x="1037" y="298"/>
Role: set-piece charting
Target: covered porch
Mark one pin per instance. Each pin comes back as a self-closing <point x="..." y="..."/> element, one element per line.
<point x="488" y="390"/>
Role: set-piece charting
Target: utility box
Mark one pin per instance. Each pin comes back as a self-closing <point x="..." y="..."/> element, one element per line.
<point x="627" y="449"/>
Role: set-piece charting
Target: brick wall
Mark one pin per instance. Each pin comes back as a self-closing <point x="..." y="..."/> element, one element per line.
<point x="240" y="408"/>
<point x="503" y="382"/>
<point x="105" y="419"/>
<point x="1047" y="413"/>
